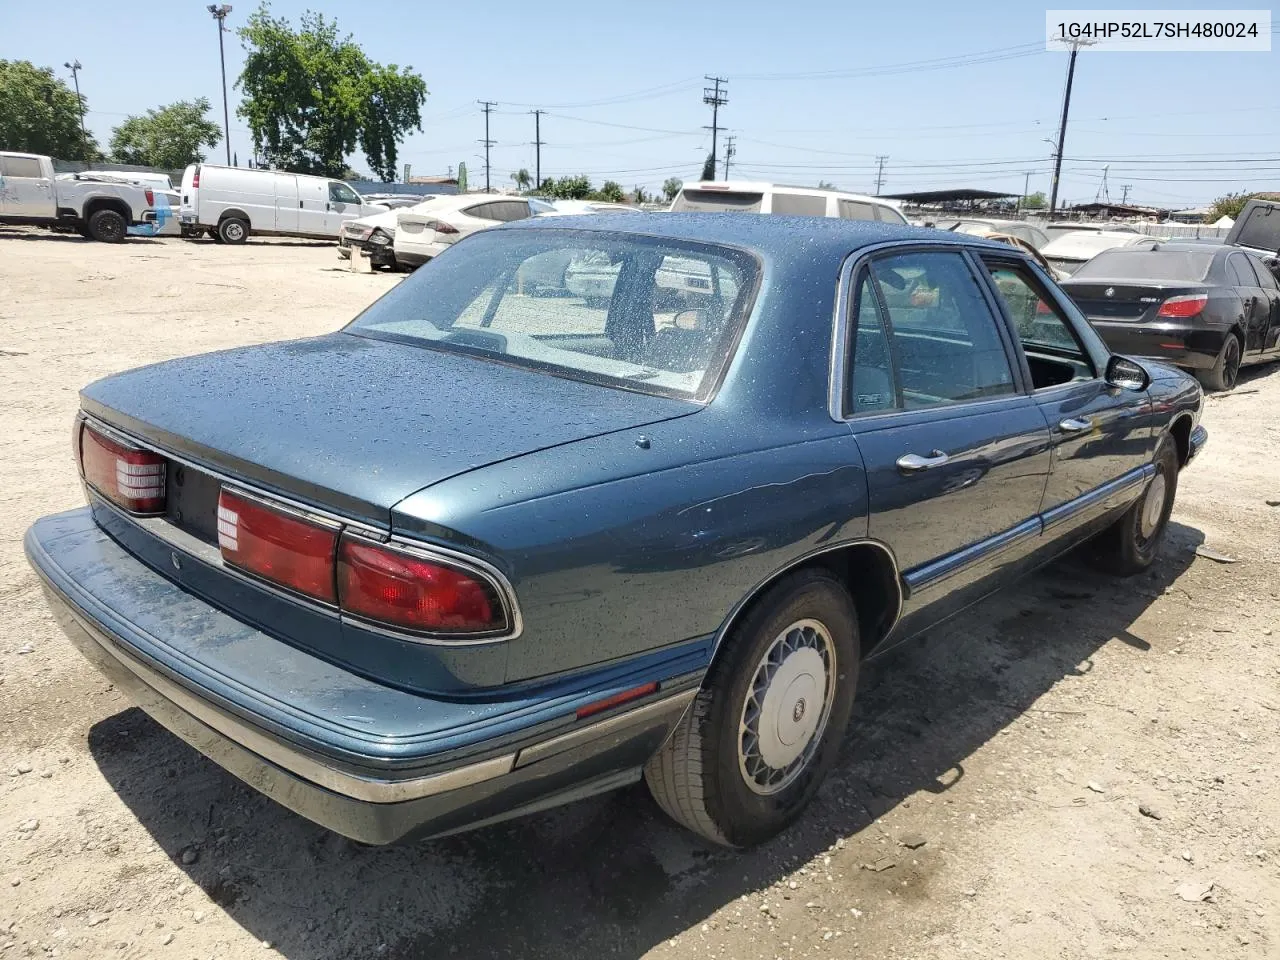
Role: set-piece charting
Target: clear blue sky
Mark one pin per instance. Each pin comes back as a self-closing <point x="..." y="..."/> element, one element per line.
<point x="817" y="89"/>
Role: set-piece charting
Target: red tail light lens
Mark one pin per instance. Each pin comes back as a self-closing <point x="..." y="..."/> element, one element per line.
<point x="151" y="197"/>
<point x="442" y="227"/>
<point x="285" y="549"/>
<point x="1188" y="306"/>
<point x="195" y="179"/>
<point x="398" y="589"/>
<point x="128" y="476"/>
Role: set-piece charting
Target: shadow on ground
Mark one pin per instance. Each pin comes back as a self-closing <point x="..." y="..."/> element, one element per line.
<point x="610" y="876"/>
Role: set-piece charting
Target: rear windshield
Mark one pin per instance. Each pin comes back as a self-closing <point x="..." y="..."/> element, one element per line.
<point x="717" y="201"/>
<point x="657" y="316"/>
<point x="1148" y="265"/>
<point x="1260" y="228"/>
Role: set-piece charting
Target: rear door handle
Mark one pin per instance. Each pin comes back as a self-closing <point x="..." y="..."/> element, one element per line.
<point x="914" y="463"/>
<point x="1073" y="425"/>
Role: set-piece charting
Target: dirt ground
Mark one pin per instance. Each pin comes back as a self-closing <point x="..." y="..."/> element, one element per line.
<point x="1078" y="768"/>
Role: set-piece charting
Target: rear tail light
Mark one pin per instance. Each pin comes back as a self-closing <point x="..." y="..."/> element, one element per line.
<point x="126" y="475"/>
<point x="1188" y="306"/>
<point x="195" y="179"/>
<point x="442" y="227"/>
<point x="284" y="548"/>
<point x="151" y="197"/>
<point x="403" y="590"/>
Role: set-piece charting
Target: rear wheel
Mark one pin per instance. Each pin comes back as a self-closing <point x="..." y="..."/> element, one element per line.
<point x="766" y="727"/>
<point x="1226" y="369"/>
<point x="233" y="230"/>
<point x="1130" y="544"/>
<point x="107" y="226"/>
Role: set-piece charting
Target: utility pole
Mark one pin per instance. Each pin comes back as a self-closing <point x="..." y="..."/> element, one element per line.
<point x="487" y="106"/>
<point x="880" y="161"/>
<point x="1026" y="187"/>
<point x="220" y="15"/>
<point x="1062" y="126"/>
<point x="1104" y="191"/>
<point x="75" y="68"/>
<point x="717" y="99"/>
<point x="1125" y="187"/>
<point x="729" y="153"/>
<point x="537" y="148"/>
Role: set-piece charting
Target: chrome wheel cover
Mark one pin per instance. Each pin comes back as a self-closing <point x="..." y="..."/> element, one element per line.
<point x="787" y="706"/>
<point x="1153" y="506"/>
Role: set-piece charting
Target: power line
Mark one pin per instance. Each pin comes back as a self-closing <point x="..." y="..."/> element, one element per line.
<point x="716" y="100"/>
<point x="487" y="106"/>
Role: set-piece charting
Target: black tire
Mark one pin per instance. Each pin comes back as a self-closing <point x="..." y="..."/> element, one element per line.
<point x="233" y="230"/>
<point x="1226" y="369"/>
<point x="1130" y="544"/>
<point x="700" y="775"/>
<point x="107" y="226"/>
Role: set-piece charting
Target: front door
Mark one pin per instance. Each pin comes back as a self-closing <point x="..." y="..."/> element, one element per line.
<point x="1101" y="439"/>
<point x="1271" y="303"/>
<point x="26" y="192"/>
<point x="1256" y="304"/>
<point x="313" y="207"/>
<point x="344" y="205"/>
<point x="956" y="453"/>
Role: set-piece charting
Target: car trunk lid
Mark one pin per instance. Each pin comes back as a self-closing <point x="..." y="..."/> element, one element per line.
<point x="352" y="424"/>
<point x="1126" y="300"/>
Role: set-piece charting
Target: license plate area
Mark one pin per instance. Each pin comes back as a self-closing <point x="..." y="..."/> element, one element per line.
<point x="191" y="502"/>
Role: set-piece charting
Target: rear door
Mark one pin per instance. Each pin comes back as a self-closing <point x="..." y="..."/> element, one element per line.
<point x="1102" y="436"/>
<point x="26" y="191"/>
<point x="1271" y="290"/>
<point x="288" y="206"/>
<point x="313" y="204"/>
<point x="1255" y="303"/>
<point x="956" y="453"/>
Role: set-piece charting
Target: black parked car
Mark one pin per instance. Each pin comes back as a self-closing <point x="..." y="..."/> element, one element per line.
<point x="1207" y="309"/>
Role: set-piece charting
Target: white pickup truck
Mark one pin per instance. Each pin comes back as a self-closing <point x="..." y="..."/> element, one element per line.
<point x="98" y="209"/>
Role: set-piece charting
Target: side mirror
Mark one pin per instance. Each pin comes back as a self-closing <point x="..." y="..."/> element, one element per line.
<point x="1126" y="374"/>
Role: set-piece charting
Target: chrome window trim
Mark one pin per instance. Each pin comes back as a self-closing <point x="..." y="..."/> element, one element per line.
<point x="838" y="367"/>
<point x="158" y="526"/>
<point x="451" y="558"/>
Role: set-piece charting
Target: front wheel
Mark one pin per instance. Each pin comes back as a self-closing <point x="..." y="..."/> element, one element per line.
<point x="766" y="727"/>
<point x="1130" y="544"/>
<point x="1226" y="369"/>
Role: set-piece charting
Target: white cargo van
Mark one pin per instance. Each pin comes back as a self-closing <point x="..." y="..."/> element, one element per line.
<point x="741" y="196"/>
<point x="230" y="203"/>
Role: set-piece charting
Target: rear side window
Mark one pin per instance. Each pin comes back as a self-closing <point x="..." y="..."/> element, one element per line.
<point x="856" y="210"/>
<point x="508" y="210"/>
<point x="20" y="167"/>
<point x="944" y="338"/>
<point x="799" y="205"/>
<point x="1239" y="270"/>
<point x="889" y="215"/>
<point x="717" y="201"/>
<point x="1266" y="278"/>
<point x="871" y="388"/>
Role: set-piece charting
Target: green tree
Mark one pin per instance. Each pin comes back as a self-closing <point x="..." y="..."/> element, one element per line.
<point x="827" y="185"/>
<point x="639" y="196"/>
<point x="311" y="97"/>
<point x="610" y="192"/>
<point x="523" y="180"/>
<point x="568" y="188"/>
<point x="1035" y="201"/>
<point x="1233" y="203"/>
<point x="40" y="114"/>
<point x="169" y="137"/>
<point x="709" y="167"/>
<point x="670" y="187"/>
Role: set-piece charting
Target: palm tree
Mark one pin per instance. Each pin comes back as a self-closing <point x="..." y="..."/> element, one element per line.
<point x="522" y="179"/>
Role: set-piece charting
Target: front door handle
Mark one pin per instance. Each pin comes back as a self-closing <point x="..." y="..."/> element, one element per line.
<point x="1073" y="425"/>
<point x="914" y="463"/>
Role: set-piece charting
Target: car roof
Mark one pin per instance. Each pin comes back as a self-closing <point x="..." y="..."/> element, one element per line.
<point x="773" y="236"/>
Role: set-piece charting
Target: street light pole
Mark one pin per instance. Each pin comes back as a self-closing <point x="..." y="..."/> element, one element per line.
<point x="220" y="15"/>
<point x="75" y="68"/>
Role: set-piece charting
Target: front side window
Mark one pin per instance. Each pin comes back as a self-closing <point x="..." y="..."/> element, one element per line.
<point x="871" y="388"/>
<point x="1239" y="270"/>
<point x="1054" y="352"/>
<point x="341" y="193"/>
<point x="645" y="314"/>
<point x="944" y="338"/>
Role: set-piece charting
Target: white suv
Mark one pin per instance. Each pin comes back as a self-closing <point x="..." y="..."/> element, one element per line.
<point x="740" y="196"/>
